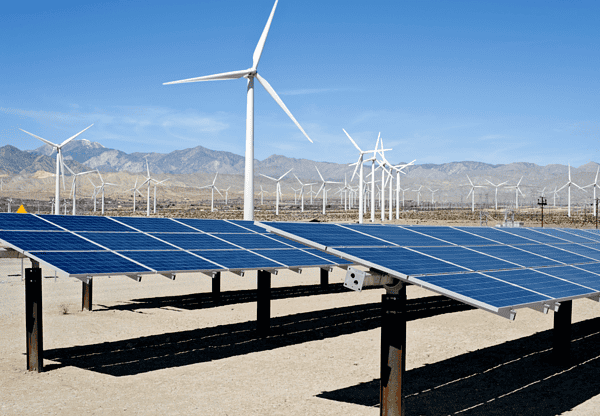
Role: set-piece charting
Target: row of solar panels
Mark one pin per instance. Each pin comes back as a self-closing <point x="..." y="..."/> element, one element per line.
<point x="92" y="246"/>
<point x="496" y="269"/>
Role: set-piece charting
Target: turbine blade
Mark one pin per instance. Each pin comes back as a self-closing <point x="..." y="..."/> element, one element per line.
<point x="321" y="176"/>
<point x="39" y="138"/>
<point x="215" y="77"/>
<point x="263" y="38"/>
<point x="281" y="177"/>
<point x="273" y="94"/>
<point x="273" y="179"/>
<point x="353" y="142"/>
<point x="72" y="137"/>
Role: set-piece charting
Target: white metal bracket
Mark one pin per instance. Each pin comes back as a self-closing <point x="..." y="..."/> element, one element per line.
<point x="238" y="272"/>
<point x="544" y="307"/>
<point x="85" y="279"/>
<point x="296" y="269"/>
<point x="508" y="313"/>
<point x="169" y="275"/>
<point x="136" y="277"/>
<point x="327" y="268"/>
<point x="357" y="279"/>
<point x="595" y="298"/>
<point x="210" y="274"/>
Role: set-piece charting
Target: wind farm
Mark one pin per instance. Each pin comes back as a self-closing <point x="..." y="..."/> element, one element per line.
<point x="262" y="251"/>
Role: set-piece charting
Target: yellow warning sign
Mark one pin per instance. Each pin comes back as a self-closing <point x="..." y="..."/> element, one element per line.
<point x="21" y="210"/>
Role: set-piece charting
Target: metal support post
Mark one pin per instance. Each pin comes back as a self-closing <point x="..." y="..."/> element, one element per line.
<point x="33" y="319"/>
<point x="393" y="352"/>
<point x="263" y="302"/>
<point x="324" y="277"/>
<point x="216" y="288"/>
<point x="562" y="333"/>
<point x="86" y="296"/>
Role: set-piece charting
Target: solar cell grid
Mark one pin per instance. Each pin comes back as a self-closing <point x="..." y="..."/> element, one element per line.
<point x="533" y="235"/>
<point x="454" y="236"/>
<point x="46" y="240"/>
<point x="16" y="222"/>
<point x="398" y="235"/>
<point x="466" y="258"/>
<point x="90" y="263"/>
<point x="517" y="256"/>
<point x="241" y="260"/>
<point x="496" y="235"/>
<point x="592" y="251"/>
<point x="558" y="254"/>
<point x="540" y="282"/>
<point x="252" y="241"/>
<point x="126" y="241"/>
<point x="575" y="274"/>
<point x="295" y="258"/>
<point x="562" y="234"/>
<point x="169" y="261"/>
<point x="586" y="234"/>
<point x="88" y="223"/>
<point x="154" y="225"/>
<point x="195" y="241"/>
<point x="212" y="226"/>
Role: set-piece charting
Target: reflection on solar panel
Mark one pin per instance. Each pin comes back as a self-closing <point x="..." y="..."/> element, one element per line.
<point x="90" y="246"/>
<point x="496" y="269"/>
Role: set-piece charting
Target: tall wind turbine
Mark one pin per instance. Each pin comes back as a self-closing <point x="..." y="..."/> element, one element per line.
<point x="302" y="186"/>
<point x="496" y="196"/>
<point x="277" y="189"/>
<point x="518" y="191"/>
<point x="359" y="166"/>
<point x="59" y="162"/>
<point x="418" y="191"/>
<point x="322" y="188"/>
<point x="135" y="189"/>
<point x="594" y="185"/>
<point x="212" y="193"/>
<point x="261" y="193"/>
<point x="156" y="183"/>
<point x="74" y="186"/>
<point x="250" y="74"/>
<point x="472" y="192"/>
<point x="432" y="192"/>
<point x="102" y="188"/>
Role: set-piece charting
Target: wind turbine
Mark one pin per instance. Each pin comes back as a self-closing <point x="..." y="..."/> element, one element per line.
<point x="302" y="186"/>
<point x="227" y="194"/>
<point x="102" y="188"/>
<point x="59" y="163"/>
<point x="594" y="185"/>
<point x="250" y="74"/>
<point x="277" y="189"/>
<point x="74" y="185"/>
<point x="432" y="192"/>
<point x="418" y="191"/>
<point x="135" y="189"/>
<point x="156" y="183"/>
<point x="212" y="192"/>
<point x="95" y="193"/>
<point x="496" y="195"/>
<point x="518" y="191"/>
<point x="555" y="192"/>
<point x="359" y="165"/>
<point x="322" y="188"/>
<point x="9" y="202"/>
<point x="472" y="192"/>
<point x="261" y="193"/>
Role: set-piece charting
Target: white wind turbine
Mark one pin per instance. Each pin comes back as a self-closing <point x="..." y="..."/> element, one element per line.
<point x="250" y="74"/>
<point x="277" y="189"/>
<point x="59" y="162"/>
<point x="594" y="185"/>
<point x="156" y="183"/>
<point x="95" y="193"/>
<point x="101" y="188"/>
<point x="227" y="194"/>
<point x="518" y="191"/>
<point x="134" y="190"/>
<point x="74" y="185"/>
<point x="302" y="186"/>
<point x="322" y="188"/>
<point x="212" y="192"/>
<point x="9" y="202"/>
<point x="418" y="191"/>
<point x="568" y="185"/>
<point x="472" y="192"/>
<point x="555" y="192"/>
<point x="432" y="192"/>
<point x="399" y="169"/>
<point x="359" y="165"/>
<point x="261" y="193"/>
<point x="496" y="194"/>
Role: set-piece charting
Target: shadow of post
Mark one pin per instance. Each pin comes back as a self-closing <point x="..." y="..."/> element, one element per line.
<point x="140" y="355"/>
<point x="513" y="378"/>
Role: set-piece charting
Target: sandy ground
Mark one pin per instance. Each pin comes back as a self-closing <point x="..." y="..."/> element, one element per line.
<point x="163" y="348"/>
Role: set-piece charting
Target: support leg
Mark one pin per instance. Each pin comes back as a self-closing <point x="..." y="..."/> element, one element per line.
<point x="216" y="288"/>
<point x="393" y="352"/>
<point x="324" y="277"/>
<point x="86" y="296"/>
<point x="33" y="319"/>
<point x="263" y="302"/>
<point x="562" y="333"/>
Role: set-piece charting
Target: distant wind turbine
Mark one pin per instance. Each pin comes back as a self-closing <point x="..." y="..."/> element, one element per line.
<point x="277" y="189"/>
<point x="472" y="192"/>
<point x="212" y="192"/>
<point x="518" y="191"/>
<point x="250" y="74"/>
<point x="359" y="166"/>
<point x="322" y="188"/>
<point x="496" y="195"/>
<point x="594" y="185"/>
<point x="59" y="162"/>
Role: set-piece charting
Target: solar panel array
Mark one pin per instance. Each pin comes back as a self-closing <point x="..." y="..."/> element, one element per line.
<point x="497" y="269"/>
<point x="82" y="246"/>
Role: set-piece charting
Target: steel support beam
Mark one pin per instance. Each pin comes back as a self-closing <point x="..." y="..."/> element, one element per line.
<point x="33" y="319"/>
<point x="216" y="288"/>
<point x="263" y="302"/>
<point x="86" y="295"/>
<point x="562" y="333"/>
<point x="324" y="277"/>
<point x="393" y="352"/>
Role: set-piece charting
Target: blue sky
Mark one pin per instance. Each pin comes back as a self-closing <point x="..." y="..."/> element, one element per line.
<point x="443" y="81"/>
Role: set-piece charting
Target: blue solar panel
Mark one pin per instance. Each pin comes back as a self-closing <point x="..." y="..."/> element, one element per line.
<point x="466" y="258"/>
<point x="46" y="240"/>
<point x="213" y="226"/>
<point x="592" y="250"/>
<point x="287" y="241"/>
<point x="575" y="274"/>
<point x="496" y="235"/>
<point x="454" y="236"/>
<point x="195" y="241"/>
<point x="484" y="289"/>
<point x="403" y="260"/>
<point x="154" y="225"/>
<point x="126" y="241"/>
<point x="79" y="223"/>
<point x="164" y="261"/>
<point x="249" y="225"/>
<point x="90" y="263"/>
<point x="16" y="222"/>
<point x="556" y="254"/>
<point x="327" y="256"/>
<point x="514" y="255"/>
<point x="563" y="234"/>
<point x="585" y="233"/>
<point x="533" y="236"/>
<point x="295" y="258"/>
<point x="398" y="235"/>
<point x="542" y="283"/>
<point x="328" y="234"/>
<point x="252" y="241"/>
<point x="240" y="259"/>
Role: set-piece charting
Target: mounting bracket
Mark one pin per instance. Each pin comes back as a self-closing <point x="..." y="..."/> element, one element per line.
<point x="357" y="279"/>
<point x="136" y="277"/>
<point x="169" y="275"/>
<point x="296" y="269"/>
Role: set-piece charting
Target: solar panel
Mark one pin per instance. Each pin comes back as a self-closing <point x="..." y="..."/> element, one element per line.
<point x="494" y="269"/>
<point x="14" y="222"/>
<point x="215" y="226"/>
<point x="88" y="223"/>
<point x="240" y="260"/>
<point x="46" y="241"/>
<point x="96" y="263"/>
<point x="154" y="225"/>
<point x="195" y="241"/>
<point x="126" y="241"/>
<point x="252" y="241"/>
<point x="171" y="261"/>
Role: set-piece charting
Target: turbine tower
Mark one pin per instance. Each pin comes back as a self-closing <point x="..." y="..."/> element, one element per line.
<point x="212" y="192"/>
<point x="59" y="163"/>
<point x="518" y="191"/>
<point x="250" y="74"/>
<point x="472" y="192"/>
<point x="594" y="185"/>
<point x="359" y="166"/>
<point x="277" y="189"/>
<point x="496" y="196"/>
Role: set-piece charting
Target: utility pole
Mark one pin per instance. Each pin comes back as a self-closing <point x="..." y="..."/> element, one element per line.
<point x="541" y="202"/>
